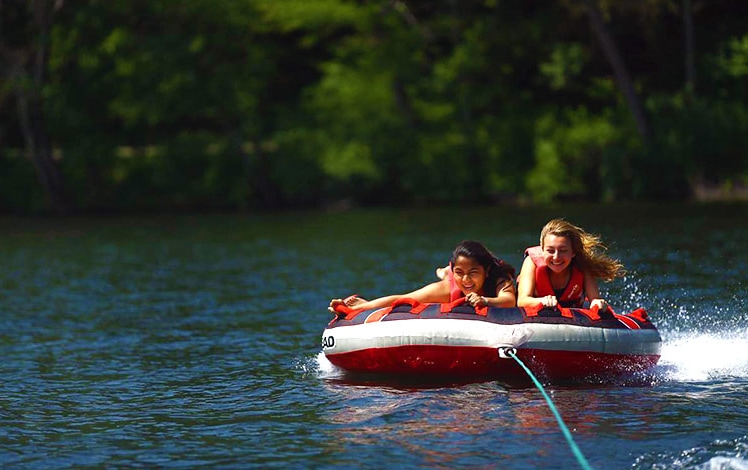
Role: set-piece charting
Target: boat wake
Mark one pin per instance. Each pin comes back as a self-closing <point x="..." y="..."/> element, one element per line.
<point x="716" y="455"/>
<point x="696" y="357"/>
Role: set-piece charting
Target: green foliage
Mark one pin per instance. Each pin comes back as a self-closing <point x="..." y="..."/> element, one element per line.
<point x="242" y="104"/>
<point x="726" y="69"/>
<point x="182" y="81"/>
<point x="734" y="58"/>
<point x="293" y="15"/>
<point x="212" y="173"/>
<point x="698" y="141"/>
<point x="350" y="106"/>
<point x="569" y="153"/>
<point x="564" y="65"/>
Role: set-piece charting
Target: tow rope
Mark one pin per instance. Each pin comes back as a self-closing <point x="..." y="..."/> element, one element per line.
<point x="511" y="352"/>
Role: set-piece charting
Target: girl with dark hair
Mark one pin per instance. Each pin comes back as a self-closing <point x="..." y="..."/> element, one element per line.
<point x="474" y="273"/>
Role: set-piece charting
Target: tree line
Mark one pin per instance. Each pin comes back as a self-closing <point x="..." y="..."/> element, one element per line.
<point x="138" y="105"/>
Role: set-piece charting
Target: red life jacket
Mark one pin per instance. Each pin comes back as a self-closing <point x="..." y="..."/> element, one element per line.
<point x="573" y="295"/>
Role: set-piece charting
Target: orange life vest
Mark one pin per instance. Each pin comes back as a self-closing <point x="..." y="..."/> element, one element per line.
<point x="573" y="295"/>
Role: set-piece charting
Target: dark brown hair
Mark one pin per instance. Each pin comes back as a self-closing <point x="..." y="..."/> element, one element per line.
<point x="497" y="271"/>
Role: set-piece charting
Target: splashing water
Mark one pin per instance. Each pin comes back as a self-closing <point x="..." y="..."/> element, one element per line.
<point x="716" y="455"/>
<point x="698" y="356"/>
<point x="725" y="463"/>
<point x="319" y="366"/>
<point x="325" y="367"/>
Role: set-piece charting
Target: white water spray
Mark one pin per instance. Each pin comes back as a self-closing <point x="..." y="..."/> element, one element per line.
<point x="326" y="368"/>
<point x="694" y="357"/>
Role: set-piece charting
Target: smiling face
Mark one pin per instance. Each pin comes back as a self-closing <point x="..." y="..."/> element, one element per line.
<point x="558" y="252"/>
<point x="469" y="275"/>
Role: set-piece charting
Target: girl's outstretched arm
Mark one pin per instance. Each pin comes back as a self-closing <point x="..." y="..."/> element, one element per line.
<point x="430" y="293"/>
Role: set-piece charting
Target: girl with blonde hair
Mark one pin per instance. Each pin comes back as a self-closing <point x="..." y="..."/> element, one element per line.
<point x="564" y="269"/>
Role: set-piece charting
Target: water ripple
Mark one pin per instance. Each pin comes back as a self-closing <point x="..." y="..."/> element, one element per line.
<point x="194" y="342"/>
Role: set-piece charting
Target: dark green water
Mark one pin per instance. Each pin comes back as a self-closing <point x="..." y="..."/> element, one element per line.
<point x="193" y="342"/>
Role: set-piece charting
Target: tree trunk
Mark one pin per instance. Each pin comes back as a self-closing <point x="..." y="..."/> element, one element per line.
<point x="39" y="151"/>
<point x="688" y="46"/>
<point x="27" y="73"/>
<point x="622" y="77"/>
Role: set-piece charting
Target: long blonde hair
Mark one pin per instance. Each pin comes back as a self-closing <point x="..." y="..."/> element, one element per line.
<point x="588" y="248"/>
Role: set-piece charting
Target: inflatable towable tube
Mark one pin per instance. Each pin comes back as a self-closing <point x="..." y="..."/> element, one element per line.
<point x="457" y="340"/>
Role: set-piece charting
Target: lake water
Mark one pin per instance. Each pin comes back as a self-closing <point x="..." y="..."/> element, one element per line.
<point x="194" y="342"/>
